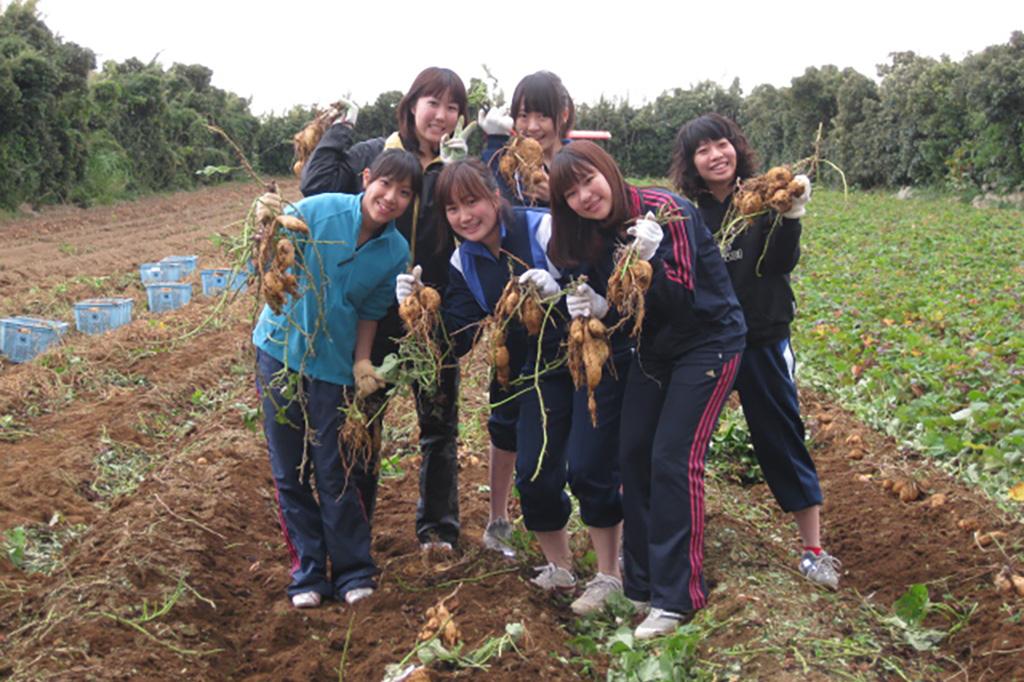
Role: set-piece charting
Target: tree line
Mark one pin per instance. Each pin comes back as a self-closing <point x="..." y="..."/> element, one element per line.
<point x="74" y="132"/>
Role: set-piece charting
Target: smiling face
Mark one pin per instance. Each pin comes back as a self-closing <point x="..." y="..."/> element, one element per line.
<point x="475" y="219"/>
<point x="434" y="117"/>
<point x="715" y="161"/>
<point x="591" y="196"/>
<point x="540" y="127"/>
<point x="384" y="198"/>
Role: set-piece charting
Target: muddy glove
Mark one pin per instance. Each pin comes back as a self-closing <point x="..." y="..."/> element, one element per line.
<point x="495" y="121"/>
<point x="343" y="112"/>
<point x="367" y="379"/>
<point x="647" y="235"/>
<point x="542" y="279"/>
<point x="268" y="206"/>
<point x="798" y="209"/>
<point x="406" y="283"/>
<point x="453" y="147"/>
<point x="586" y="303"/>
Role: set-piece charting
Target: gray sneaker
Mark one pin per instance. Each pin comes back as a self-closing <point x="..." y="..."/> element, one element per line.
<point x="599" y="588"/>
<point x="660" y="622"/>
<point x="822" y="569"/>
<point x="497" y="535"/>
<point x="553" y="577"/>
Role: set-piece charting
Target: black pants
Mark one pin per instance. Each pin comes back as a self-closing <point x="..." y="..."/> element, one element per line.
<point x="669" y="413"/>
<point x="336" y="522"/>
<point x="437" y="410"/>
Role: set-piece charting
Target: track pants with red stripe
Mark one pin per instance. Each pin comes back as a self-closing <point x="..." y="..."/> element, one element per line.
<point x="669" y="413"/>
<point x="339" y="525"/>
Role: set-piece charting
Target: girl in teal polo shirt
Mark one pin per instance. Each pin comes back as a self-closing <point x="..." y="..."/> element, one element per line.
<point x="311" y="356"/>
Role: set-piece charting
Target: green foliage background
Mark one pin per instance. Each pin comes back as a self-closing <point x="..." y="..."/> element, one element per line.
<point x="73" y="131"/>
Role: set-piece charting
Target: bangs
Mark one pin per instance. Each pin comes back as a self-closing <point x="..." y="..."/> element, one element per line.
<point x="536" y="94"/>
<point x="398" y="165"/>
<point x="705" y="128"/>
<point x="569" y="170"/>
<point x="462" y="180"/>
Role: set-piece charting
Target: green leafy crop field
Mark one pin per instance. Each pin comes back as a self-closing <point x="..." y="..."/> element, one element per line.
<point x="910" y="313"/>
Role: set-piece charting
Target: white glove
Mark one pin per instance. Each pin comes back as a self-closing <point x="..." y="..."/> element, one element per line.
<point x="542" y="279"/>
<point x="586" y="303"/>
<point x="268" y="206"/>
<point x="453" y="147"/>
<point x="405" y="283"/>
<point x="343" y="112"/>
<point x="495" y="121"/>
<point x="647" y="235"/>
<point x="798" y="209"/>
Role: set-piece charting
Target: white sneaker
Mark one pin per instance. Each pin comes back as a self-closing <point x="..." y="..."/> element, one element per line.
<point x="358" y="594"/>
<point x="496" y="537"/>
<point x="599" y="588"/>
<point x="660" y="622"/>
<point x="822" y="569"/>
<point x="553" y="577"/>
<point x="306" y="600"/>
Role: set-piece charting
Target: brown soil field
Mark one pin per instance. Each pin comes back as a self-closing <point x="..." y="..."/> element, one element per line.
<point x="138" y="456"/>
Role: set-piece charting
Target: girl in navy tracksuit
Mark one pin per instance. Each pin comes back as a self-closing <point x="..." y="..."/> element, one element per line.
<point x="496" y="243"/>
<point x="427" y="112"/>
<point x="711" y="153"/>
<point x="686" y="359"/>
<point x="541" y="109"/>
<point x="318" y="348"/>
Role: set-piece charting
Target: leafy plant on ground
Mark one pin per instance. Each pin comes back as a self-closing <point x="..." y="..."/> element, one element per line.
<point x="911" y="314"/>
<point x="609" y="633"/>
<point x="39" y="547"/>
<point x="120" y="468"/>
<point x="910" y="611"/>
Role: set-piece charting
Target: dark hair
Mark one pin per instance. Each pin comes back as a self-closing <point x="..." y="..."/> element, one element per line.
<point x="711" y="127"/>
<point x="543" y="92"/>
<point x="572" y="237"/>
<point x="398" y="165"/>
<point x="432" y="81"/>
<point x="467" y="177"/>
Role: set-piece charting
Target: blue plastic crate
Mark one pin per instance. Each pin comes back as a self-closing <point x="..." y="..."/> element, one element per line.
<point x="168" y="271"/>
<point x="23" y="338"/>
<point x="216" y="280"/>
<point x="188" y="263"/>
<point x="99" y="315"/>
<point x="164" y="296"/>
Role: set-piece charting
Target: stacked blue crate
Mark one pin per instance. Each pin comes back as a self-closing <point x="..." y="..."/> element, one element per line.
<point x="188" y="263"/>
<point x="164" y="271"/>
<point x="22" y="338"/>
<point x="99" y="315"/>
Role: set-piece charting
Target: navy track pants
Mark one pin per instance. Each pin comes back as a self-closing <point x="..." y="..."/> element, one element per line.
<point x="669" y="413"/>
<point x="338" y="526"/>
<point x="767" y="390"/>
<point x="576" y="453"/>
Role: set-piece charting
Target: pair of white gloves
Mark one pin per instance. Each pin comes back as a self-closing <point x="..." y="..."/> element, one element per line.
<point x="585" y="302"/>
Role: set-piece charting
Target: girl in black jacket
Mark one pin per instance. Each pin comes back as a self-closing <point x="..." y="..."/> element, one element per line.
<point x="427" y="115"/>
<point x="710" y="155"/>
<point x="683" y="368"/>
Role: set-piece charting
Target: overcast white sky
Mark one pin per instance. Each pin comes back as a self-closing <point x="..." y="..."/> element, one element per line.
<point x="286" y="53"/>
